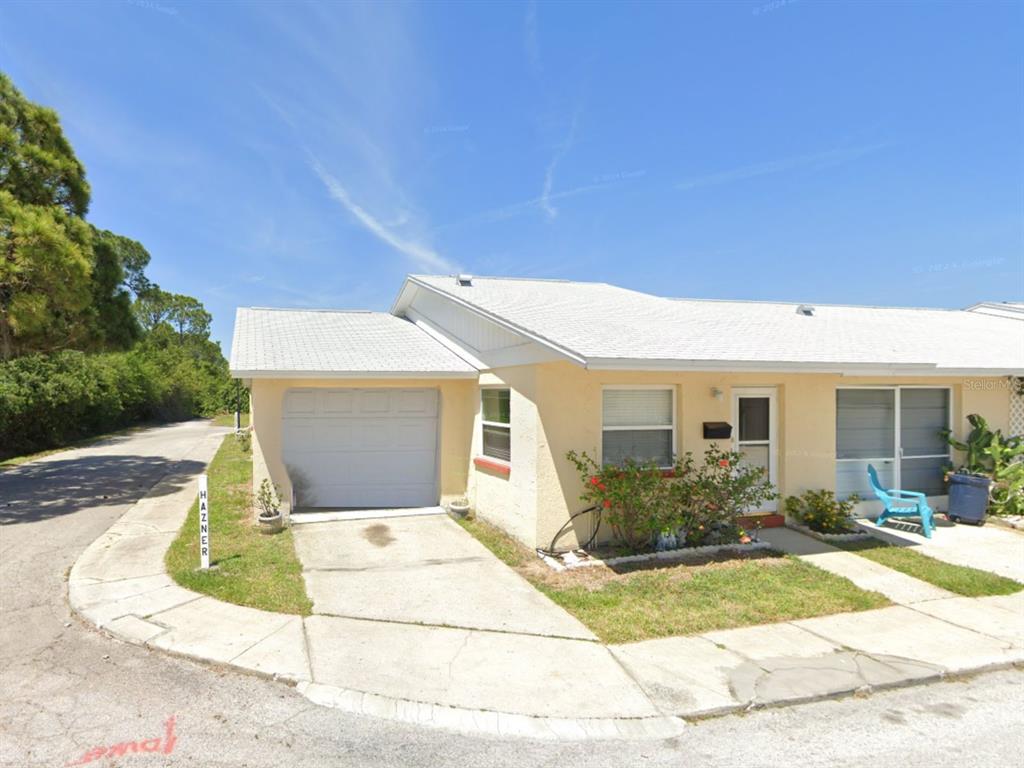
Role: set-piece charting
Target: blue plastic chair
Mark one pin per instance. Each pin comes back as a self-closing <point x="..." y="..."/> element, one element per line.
<point x="902" y="504"/>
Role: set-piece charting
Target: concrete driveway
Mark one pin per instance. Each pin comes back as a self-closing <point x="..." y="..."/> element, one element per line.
<point x="422" y="570"/>
<point x="988" y="548"/>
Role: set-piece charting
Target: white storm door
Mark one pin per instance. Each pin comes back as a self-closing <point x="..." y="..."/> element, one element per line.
<point x="755" y="433"/>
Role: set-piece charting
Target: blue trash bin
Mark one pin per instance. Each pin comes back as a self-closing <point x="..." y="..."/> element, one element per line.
<point x="968" y="498"/>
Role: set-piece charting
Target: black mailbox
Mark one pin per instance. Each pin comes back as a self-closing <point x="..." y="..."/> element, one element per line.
<point x="717" y="430"/>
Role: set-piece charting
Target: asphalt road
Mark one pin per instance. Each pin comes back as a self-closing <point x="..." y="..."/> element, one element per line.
<point x="65" y="688"/>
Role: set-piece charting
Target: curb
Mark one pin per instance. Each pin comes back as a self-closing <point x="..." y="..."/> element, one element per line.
<point x="138" y="623"/>
<point x="128" y="606"/>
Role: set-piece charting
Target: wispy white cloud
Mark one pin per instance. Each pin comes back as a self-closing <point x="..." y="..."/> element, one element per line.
<point x="549" y="175"/>
<point x="816" y="160"/>
<point x="422" y="255"/>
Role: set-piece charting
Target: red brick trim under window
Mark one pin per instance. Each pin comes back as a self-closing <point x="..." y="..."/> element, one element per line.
<point x="492" y="465"/>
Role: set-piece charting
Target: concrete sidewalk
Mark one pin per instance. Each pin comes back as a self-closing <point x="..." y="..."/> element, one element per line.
<point x="989" y="547"/>
<point x="511" y="682"/>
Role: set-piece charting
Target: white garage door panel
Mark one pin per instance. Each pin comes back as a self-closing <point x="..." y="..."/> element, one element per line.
<point x="361" y="447"/>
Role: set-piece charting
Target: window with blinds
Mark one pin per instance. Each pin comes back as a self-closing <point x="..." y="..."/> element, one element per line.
<point x="637" y="424"/>
<point x="496" y="409"/>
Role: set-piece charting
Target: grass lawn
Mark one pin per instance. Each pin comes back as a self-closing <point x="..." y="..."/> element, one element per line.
<point x="15" y="461"/>
<point x="228" y="419"/>
<point x="253" y="569"/>
<point x="643" y="601"/>
<point x="956" y="578"/>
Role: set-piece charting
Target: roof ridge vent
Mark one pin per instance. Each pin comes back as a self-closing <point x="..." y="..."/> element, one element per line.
<point x="806" y="310"/>
<point x="466" y="281"/>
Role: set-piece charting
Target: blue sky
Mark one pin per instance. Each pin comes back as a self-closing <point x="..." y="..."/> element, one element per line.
<point x="312" y="155"/>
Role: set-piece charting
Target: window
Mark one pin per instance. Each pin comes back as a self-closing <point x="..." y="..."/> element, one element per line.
<point x="898" y="431"/>
<point x="638" y="424"/>
<point x="497" y="432"/>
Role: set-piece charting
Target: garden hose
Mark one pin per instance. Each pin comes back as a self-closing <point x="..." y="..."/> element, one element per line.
<point x="552" y="552"/>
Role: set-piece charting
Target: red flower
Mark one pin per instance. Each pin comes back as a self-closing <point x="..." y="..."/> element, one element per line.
<point x="601" y="487"/>
<point x="607" y="503"/>
<point x="594" y="480"/>
<point x="723" y="462"/>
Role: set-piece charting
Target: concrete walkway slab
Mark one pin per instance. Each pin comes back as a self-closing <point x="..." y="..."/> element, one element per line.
<point x="979" y="616"/>
<point x="770" y="641"/>
<point x="524" y="674"/>
<point x="988" y="548"/>
<point x="422" y="570"/>
<point x="281" y="654"/>
<point x="865" y="573"/>
<point x="909" y="634"/>
<point x="213" y="630"/>
<point x="124" y="557"/>
<point x="682" y="674"/>
<point x="142" y="605"/>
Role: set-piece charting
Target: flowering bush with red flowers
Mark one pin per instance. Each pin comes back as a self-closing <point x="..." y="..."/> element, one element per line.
<point x="697" y="503"/>
<point x="632" y="496"/>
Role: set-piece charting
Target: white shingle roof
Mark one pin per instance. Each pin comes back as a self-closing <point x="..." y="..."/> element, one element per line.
<point x="315" y="342"/>
<point x="603" y="325"/>
<point x="1010" y="309"/>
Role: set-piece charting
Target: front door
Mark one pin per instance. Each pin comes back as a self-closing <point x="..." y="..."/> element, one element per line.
<point x="754" y="433"/>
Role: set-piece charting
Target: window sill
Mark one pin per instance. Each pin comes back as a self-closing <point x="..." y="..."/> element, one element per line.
<point x="493" y="465"/>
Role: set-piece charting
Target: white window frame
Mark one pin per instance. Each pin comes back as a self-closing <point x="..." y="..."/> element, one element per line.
<point x="499" y="424"/>
<point x="659" y="428"/>
<point x="897" y="449"/>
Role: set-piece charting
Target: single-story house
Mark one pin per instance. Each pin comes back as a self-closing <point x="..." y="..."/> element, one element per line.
<point x="478" y="386"/>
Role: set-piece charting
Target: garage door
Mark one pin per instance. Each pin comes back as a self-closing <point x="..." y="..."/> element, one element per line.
<point x="361" y="447"/>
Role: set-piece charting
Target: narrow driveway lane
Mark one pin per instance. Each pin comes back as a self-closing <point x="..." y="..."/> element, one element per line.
<point x="65" y="688"/>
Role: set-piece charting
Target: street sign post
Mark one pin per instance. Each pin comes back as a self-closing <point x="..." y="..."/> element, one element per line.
<point x="204" y="524"/>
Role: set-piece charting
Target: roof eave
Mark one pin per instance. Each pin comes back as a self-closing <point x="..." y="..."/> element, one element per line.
<point x="404" y="298"/>
<point x="841" y="368"/>
<point x="305" y="374"/>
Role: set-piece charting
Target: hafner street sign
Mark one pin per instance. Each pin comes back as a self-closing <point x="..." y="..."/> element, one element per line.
<point x="204" y="524"/>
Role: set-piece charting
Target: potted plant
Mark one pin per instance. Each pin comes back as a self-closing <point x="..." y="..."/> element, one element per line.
<point x="269" y="502"/>
<point x="969" y="484"/>
<point x="459" y="507"/>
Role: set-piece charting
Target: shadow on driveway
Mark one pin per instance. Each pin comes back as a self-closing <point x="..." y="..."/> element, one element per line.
<point x="48" y="489"/>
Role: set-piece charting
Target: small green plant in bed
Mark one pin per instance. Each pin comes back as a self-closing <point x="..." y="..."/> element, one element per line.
<point x="821" y="511"/>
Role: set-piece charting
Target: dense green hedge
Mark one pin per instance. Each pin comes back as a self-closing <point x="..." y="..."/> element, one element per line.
<point x="48" y="401"/>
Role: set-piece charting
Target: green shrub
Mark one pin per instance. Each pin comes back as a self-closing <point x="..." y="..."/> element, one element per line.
<point x="698" y="503"/>
<point x="50" y="400"/>
<point x="821" y="511"/>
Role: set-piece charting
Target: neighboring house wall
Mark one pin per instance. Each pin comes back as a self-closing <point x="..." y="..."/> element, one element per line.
<point x="455" y="426"/>
<point x="568" y="400"/>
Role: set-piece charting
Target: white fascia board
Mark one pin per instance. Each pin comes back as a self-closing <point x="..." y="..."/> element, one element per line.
<point x="468" y="353"/>
<point x="562" y="352"/>
<point x="354" y="374"/>
<point x="527" y="353"/>
<point x="747" y="366"/>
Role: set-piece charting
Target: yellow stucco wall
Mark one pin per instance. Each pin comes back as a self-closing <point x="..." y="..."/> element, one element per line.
<point x="556" y="407"/>
<point x="457" y="397"/>
<point x="510" y="501"/>
<point x="568" y="401"/>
